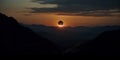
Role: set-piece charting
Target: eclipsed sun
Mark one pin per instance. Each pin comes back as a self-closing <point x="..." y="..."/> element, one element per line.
<point x="60" y="24"/>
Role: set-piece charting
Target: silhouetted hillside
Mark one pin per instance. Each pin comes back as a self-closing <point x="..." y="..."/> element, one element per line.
<point x="107" y="44"/>
<point x="15" y="39"/>
<point x="68" y="37"/>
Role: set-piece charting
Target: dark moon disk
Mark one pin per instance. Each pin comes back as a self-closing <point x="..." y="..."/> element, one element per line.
<point x="60" y="22"/>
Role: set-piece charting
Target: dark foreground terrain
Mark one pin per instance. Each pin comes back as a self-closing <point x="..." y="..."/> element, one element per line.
<point x="106" y="44"/>
<point x="17" y="39"/>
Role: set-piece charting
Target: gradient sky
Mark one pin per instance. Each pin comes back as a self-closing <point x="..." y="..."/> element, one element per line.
<point x="72" y="12"/>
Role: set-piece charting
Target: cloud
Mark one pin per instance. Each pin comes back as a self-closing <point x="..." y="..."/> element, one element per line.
<point x="27" y="14"/>
<point x="97" y="13"/>
<point x="80" y="7"/>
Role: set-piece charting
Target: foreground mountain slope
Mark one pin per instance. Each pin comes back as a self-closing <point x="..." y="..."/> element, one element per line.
<point x="15" y="38"/>
<point x="106" y="44"/>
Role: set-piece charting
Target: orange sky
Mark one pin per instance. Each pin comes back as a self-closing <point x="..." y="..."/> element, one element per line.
<point x="17" y="9"/>
<point x="51" y="20"/>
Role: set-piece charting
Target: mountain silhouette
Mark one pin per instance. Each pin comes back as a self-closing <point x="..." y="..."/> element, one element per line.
<point x="16" y="39"/>
<point x="106" y="44"/>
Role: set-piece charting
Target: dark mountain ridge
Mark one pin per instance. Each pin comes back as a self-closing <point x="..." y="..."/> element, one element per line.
<point x="106" y="44"/>
<point x="15" y="38"/>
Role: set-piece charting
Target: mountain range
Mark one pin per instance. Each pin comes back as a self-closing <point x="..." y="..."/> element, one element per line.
<point x="18" y="39"/>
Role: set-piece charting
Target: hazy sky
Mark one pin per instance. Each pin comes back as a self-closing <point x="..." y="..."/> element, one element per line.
<point x="72" y="12"/>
